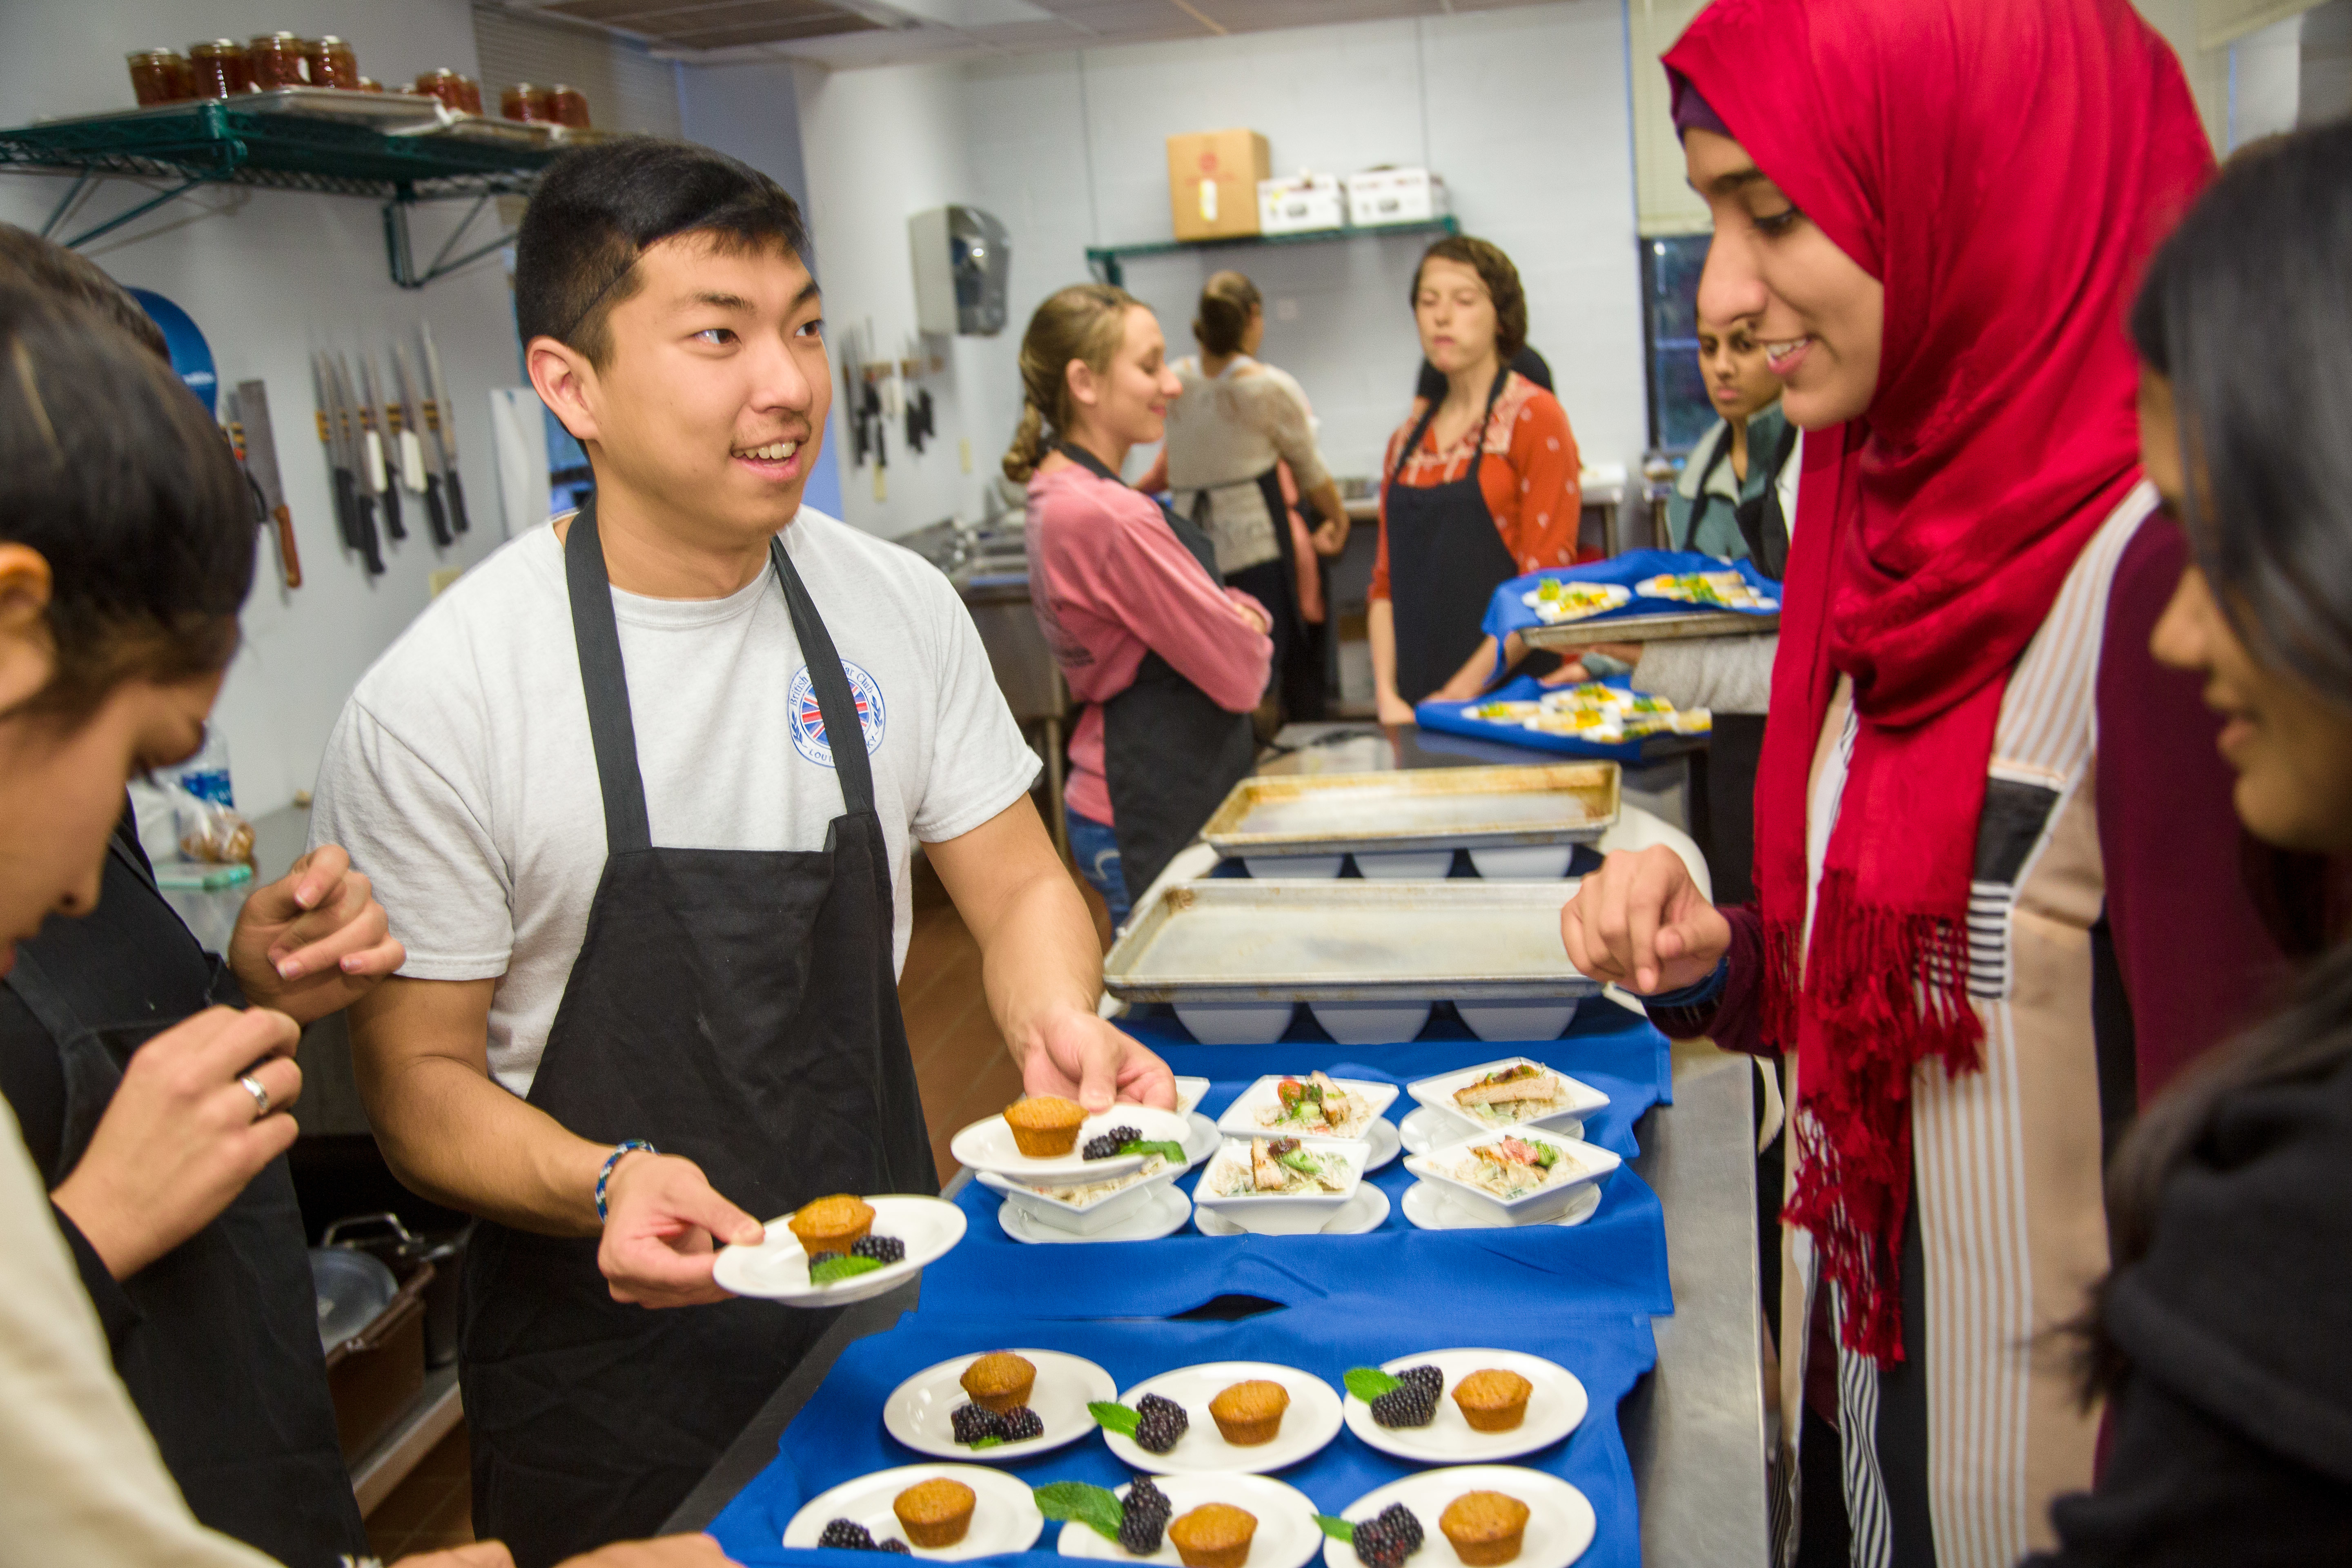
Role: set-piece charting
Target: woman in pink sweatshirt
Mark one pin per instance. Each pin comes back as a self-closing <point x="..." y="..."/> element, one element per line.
<point x="1167" y="661"/>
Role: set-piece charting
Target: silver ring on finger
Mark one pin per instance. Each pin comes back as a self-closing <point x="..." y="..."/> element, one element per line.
<point x="252" y="1086"/>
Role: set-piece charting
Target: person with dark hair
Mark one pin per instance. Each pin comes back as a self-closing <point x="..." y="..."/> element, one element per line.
<point x="2221" y="1339"/>
<point x="1455" y="526"/>
<point x="642" y="791"/>
<point x="2000" y="892"/>
<point x="1240" y="446"/>
<point x="69" y="275"/>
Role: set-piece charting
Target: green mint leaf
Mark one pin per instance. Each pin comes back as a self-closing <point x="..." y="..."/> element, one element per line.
<point x="1096" y="1508"/>
<point x="979" y="1444"/>
<point x="1337" y="1529"/>
<point x="1113" y="1417"/>
<point x="847" y="1267"/>
<point x="1369" y="1382"/>
<point x="1172" y="1153"/>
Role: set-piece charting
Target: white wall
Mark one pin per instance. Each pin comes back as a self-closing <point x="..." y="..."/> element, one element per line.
<point x="269" y="276"/>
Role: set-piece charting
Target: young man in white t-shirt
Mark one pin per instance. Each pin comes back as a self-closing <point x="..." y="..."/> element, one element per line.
<point x="646" y="897"/>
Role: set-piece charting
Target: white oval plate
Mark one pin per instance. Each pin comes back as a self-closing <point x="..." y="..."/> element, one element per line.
<point x="918" y="1411"/>
<point x="1367" y="1211"/>
<point x="1164" y="1216"/>
<point x="1426" y="1128"/>
<point x="988" y="1145"/>
<point x="1427" y="1207"/>
<point x="1556" y="1407"/>
<point x="776" y="1268"/>
<point x="1240" y="1119"/>
<point x="1560" y="1522"/>
<point x="1004" y="1516"/>
<point x="1311" y="1422"/>
<point x="1287" y="1535"/>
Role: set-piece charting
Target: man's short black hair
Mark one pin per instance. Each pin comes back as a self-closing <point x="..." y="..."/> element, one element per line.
<point x="69" y="275"/>
<point x="598" y="208"/>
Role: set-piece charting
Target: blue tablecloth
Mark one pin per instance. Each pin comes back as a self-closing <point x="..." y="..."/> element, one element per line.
<point x="838" y="1436"/>
<point x="1509" y="612"/>
<point x="1455" y="718"/>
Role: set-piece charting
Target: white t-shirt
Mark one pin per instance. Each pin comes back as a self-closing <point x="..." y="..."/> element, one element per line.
<point x="463" y="781"/>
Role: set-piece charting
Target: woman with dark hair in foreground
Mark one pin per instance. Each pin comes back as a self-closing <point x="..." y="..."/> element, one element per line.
<point x="2223" y="1336"/>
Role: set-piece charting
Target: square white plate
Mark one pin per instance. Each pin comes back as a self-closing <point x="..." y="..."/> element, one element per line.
<point x="1241" y="1118"/>
<point x="1561" y="1521"/>
<point x="1311" y="1421"/>
<point x="1287" y="1535"/>
<point x="1589" y="1164"/>
<point x="1004" y="1516"/>
<point x="988" y="1145"/>
<point x="777" y="1268"/>
<point x="1167" y="1213"/>
<point x="1190" y="1092"/>
<point x="1556" y="1407"/>
<point x="1280" y="1214"/>
<point x="919" y="1411"/>
<point x="1098" y="1213"/>
<point x="1437" y="1093"/>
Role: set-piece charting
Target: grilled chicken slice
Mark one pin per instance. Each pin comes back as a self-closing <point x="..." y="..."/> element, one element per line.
<point x="1539" y="1086"/>
<point x="1266" y="1171"/>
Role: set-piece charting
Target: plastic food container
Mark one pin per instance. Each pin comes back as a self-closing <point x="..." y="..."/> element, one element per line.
<point x="159" y="76"/>
<point x="218" y="68"/>
<point x="1588" y="1163"/>
<point x="1286" y="1215"/>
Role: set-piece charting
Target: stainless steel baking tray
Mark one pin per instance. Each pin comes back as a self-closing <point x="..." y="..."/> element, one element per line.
<point x="1239" y="939"/>
<point x="1333" y="814"/>
<point x="1650" y="628"/>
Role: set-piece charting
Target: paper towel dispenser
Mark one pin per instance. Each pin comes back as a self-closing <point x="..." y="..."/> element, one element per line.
<point x="962" y="260"/>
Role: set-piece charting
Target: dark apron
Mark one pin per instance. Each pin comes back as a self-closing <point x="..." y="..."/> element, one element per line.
<point x="223" y="1359"/>
<point x="1298" y="673"/>
<point x="1171" y="755"/>
<point x="739" y="1007"/>
<point x="1446" y="561"/>
<point x="1761" y="524"/>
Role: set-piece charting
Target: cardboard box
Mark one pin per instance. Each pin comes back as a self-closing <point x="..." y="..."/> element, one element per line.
<point x="1301" y="204"/>
<point x="1213" y="177"/>
<point x="1395" y="196"/>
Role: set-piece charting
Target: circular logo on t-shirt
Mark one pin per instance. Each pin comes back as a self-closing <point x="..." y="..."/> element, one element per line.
<point x="808" y="719"/>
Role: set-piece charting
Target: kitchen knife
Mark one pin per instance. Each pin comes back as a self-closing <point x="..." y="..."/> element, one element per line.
<point x="341" y="481"/>
<point x="428" y="453"/>
<point x="374" y="484"/>
<point x="363" y="535"/>
<point x="261" y="463"/>
<point x="441" y="414"/>
<point x="383" y="446"/>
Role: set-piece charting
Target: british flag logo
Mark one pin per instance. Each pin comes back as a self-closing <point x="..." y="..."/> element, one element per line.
<point x="808" y="716"/>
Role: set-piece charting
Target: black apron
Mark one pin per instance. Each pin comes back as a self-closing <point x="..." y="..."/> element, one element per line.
<point x="736" y="1006"/>
<point x="217" y="1341"/>
<point x="1762" y="526"/>
<point x="1171" y="755"/>
<point x="1446" y="561"/>
<point x="1298" y="673"/>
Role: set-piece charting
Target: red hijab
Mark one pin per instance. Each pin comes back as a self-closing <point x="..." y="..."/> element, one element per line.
<point x="2004" y="167"/>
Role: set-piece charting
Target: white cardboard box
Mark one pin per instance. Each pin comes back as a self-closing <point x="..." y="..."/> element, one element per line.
<point x="1301" y="204"/>
<point x="1395" y="196"/>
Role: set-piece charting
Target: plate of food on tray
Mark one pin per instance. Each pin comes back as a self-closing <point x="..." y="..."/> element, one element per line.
<point x="998" y="1407"/>
<point x="1197" y="1521"/>
<point x="838" y="1249"/>
<point x="1280" y="1186"/>
<point x="1514" y="1178"/>
<point x="1314" y="1107"/>
<point x="1202" y="1141"/>
<point x="1463" y="1516"/>
<point x="1513" y="1091"/>
<point x="1708" y="590"/>
<point x="1463" y="1406"/>
<point x="946" y="1512"/>
<point x="1558" y="600"/>
<point x="1229" y="1416"/>
<point x="1142" y="1204"/>
<point x="1046" y="1136"/>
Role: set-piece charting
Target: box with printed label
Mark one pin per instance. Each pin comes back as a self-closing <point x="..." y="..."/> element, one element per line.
<point x="1395" y="196"/>
<point x="1301" y="204"/>
<point x="1212" y="179"/>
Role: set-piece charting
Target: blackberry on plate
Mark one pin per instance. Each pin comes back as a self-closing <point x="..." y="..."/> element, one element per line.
<point x="1118" y="1135"/>
<point x="1427" y="1377"/>
<point x="847" y="1534"/>
<point x="1020" y="1424"/>
<point x="896" y="1545"/>
<point x="1413" y="1404"/>
<point x="1144" y="1517"/>
<point x="1377" y="1546"/>
<point x="1158" y="1423"/>
<point x="881" y="1249"/>
<point x="1400" y="1518"/>
<point x="974" y="1421"/>
<point x="1101" y="1148"/>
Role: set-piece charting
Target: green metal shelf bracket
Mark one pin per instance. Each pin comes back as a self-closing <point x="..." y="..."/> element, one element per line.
<point x="402" y="259"/>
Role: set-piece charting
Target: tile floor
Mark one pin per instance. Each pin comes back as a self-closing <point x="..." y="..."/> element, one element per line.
<point x="433" y="1510"/>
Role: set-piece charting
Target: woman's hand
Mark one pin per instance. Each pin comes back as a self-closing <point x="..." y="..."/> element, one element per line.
<point x="1332" y="537"/>
<point x="313" y="941"/>
<point x="1640" y="921"/>
<point x="1251" y="614"/>
<point x="1393" y="710"/>
<point x="183" y="1134"/>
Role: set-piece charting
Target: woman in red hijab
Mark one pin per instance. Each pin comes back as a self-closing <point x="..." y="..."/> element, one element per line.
<point x="1993" y="841"/>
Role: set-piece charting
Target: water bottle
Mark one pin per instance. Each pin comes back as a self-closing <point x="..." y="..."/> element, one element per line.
<point x="205" y="775"/>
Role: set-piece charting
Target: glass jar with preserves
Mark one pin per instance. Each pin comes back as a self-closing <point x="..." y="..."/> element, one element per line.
<point x="444" y="84"/>
<point x="524" y="101"/>
<point x="273" y="60"/>
<point x="472" y="91"/>
<point x="568" y="106"/>
<point x="328" y="61"/>
<point x="158" y="76"/>
<point x="218" y="67"/>
<point x="369" y="84"/>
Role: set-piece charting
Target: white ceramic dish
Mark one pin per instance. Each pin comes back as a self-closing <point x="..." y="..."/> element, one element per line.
<point x="1092" y="1217"/>
<point x="1561" y="1521"/>
<point x="1293" y="867"/>
<point x="1426" y="1126"/>
<point x="988" y="1145"/>
<point x="1236" y="1023"/>
<point x="1241" y="1118"/>
<point x="1404" y="865"/>
<point x="1190" y="1092"/>
<point x="1299" y="1215"/>
<point x="777" y="1270"/>
<point x="1590" y="1164"/>
<point x="1528" y="1020"/>
<point x="1385" y="1145"/>
<point x="1287" y="1535"/>
<point x="1004" y="1516"/>
<point x="1556" y="1407"/>
<point x="1371" y="1023"/>
<point x="1311" y="1421"/>
<point x="1426" y="1207"/>
<point x="1523" y="862"/>
<point x="1166" y="1213"/>
<point x="1367" y="1211"/>
<point x="1203" y="1140"/>
<point x="919" y="1411"/>
<point x="1581" y="1100"/>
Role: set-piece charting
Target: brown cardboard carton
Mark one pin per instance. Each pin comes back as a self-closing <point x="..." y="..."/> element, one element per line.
<point x="1212" y="179"/>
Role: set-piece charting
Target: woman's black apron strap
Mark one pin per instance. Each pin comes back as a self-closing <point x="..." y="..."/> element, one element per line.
<point x="1762" y="523"/>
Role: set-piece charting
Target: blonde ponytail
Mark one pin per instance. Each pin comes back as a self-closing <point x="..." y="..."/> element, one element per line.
<point x="1085" y="323"/>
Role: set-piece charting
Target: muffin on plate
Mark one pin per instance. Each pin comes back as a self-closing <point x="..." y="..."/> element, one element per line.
<point x="1045" y="1126"/>
<point x="1000" y="1381"/>
<point x="1249" y="1413"/>
<point x="1214" y="1535"/>
<point x="936" y="1512"/>
<point x="834" y="1223"/>
<point x="1492" y="1400"/>
<point x="1484" y="1528"/>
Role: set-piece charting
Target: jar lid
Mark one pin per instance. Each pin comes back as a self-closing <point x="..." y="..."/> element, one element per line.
<point x="276" y="38"/>
<point x="214" y="44"/>
<point x="154" y="54"/>
<point x="328" y="38"/>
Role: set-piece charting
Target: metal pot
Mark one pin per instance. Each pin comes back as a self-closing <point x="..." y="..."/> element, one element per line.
<point x="384" y="1236"/>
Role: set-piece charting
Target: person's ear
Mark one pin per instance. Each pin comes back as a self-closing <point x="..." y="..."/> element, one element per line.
<point x="29" y="659"/>
<point x="1084" y="387"/>
<point x="566" y="383"/>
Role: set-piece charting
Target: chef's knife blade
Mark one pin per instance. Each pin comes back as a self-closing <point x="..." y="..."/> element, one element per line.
<point x="371" y="548"/>
<point x="427" y="453"/>
<point x="261" y="462"/>
<point x="382" y="455"/>
<point x="441" y="414"/>
<point x="341" y="481"/>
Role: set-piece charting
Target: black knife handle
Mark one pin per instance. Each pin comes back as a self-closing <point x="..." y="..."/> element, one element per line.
<point x="347" y="508"/>
<point x="434" y="511"/>
<point x="458" y="520"/>
<point x="371" y="547"/>
<point x="392" y="522"/>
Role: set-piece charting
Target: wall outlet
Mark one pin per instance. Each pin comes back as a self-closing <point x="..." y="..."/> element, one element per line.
<point x="963" y="450"/>
<point x="443" y="578"/>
